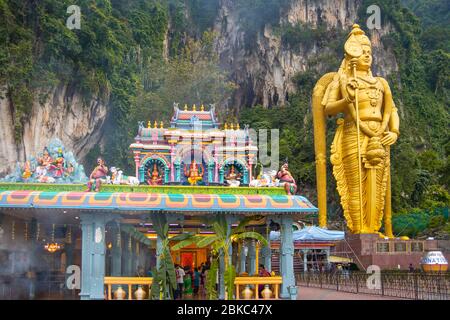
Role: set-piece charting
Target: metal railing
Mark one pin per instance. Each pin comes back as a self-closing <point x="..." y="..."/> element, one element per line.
<point x="405" y="285"/>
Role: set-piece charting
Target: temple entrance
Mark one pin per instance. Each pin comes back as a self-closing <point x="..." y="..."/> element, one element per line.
<point x="190" y="256"/>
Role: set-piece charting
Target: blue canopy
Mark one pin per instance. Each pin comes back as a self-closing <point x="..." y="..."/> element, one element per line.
<point x="312" y="234"/>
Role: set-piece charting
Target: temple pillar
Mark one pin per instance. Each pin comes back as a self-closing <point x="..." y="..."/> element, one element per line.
<point x="93" y="255"/>
<point x="216" y="165"/>
<point x="172" y="168"/>
<point x="137" y="160"/>
<point x="166" y="175"/>
<point x="135" y="257"/>
<point x="86" y="242"/>
<point x="69" y="247"/>
<point x="116" y="268"/>
<point x="287" y="256"/>
<point x="128" y="257"/>
<point x="252" y="255"/>
<point x="221" y="173"/>
<point x="210" y="172"/>
<point x="242" y="258"/>
<point x="141" y="175"/>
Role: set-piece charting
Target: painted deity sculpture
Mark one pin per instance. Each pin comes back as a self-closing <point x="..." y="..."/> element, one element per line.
<point x="233" y="178"/>
<point x="97" y="176"/>
<point x="194" y="174"/>
<point x="287" y="180"/>
<point x="59" y="162"/>
<point x="361" y="146"/>
<point x="27" y="170"/>
<point x="154" y="176"/>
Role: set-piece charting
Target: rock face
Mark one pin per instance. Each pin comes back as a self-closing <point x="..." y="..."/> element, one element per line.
<point x="64" y="116"/>
<point x="264" y="73"/>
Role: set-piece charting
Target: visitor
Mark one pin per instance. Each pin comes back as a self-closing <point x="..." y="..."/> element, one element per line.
<point x="187" y="281"/>
<point x="205" y="277"/>
<point x="180" y="281"/>
<point x="411" y="267"/>
<point x="262" y="273"/>
<point x="140" y="272"/>
<point x="196" y="282"/>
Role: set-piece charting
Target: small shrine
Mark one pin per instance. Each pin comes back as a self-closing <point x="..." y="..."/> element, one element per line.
<point x="193" y="150"/>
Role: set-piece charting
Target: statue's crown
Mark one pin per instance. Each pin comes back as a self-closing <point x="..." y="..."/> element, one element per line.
<point x="355" y="40"/>
<point x="356" y="31"/>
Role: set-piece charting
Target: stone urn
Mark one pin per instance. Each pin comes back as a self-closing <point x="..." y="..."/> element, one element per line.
<point x="266" y="293"/>
<point x="247" y="293"/>
<point x="119" y="294"/>
<point x="140" y="294"/>
<point x="434" y="261"/>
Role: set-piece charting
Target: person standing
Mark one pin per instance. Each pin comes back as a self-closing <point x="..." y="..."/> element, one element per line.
<point x="180" y="281"/>
<point x="197" y="276"/>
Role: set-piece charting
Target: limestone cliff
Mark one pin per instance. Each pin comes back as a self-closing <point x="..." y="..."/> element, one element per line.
<point x="63" y="115"/>
<point x="264" y="73"/>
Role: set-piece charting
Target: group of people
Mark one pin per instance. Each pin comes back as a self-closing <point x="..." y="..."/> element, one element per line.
<point x="190" y="282"/>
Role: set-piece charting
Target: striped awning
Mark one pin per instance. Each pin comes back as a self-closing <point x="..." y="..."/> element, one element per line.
<point x="133" y="201"/>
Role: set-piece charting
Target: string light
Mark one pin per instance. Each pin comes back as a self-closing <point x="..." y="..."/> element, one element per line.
<point x="69" y="235"/>
<point x="26" y="231"/>
<point x="13" y="230"/>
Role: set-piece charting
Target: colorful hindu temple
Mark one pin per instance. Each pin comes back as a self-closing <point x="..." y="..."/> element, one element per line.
<point x="187" y="176"/>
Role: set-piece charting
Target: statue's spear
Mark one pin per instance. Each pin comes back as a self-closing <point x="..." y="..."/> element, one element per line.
<point x="354" y="49"/>
<point x="359" y="148"/>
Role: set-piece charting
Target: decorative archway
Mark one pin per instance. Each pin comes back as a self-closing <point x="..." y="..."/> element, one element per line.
<point x="239" y="164"/>
<point x="147" y="166"/>
<point x="207" y="162"/>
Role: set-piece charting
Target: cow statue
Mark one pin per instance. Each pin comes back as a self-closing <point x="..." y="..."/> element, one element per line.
<point x="117" y="177"/>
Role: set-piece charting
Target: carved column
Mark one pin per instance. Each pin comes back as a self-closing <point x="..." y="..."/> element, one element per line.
<point x="116" y="270"/>
<point x="266" y="254"/>
<point x="252" y="255"/>
<point x="93" y="255"/>
<point x="137" y="160"/>
<point x="242" y="258"/>
<point x="287" y="256"/>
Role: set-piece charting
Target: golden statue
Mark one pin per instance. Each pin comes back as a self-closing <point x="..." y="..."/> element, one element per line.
<point x="154" y="176"/>
<point x="194" y="174"/>
<point x="360" y="149"/>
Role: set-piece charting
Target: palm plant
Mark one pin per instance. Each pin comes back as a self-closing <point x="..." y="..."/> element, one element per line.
<point x="164" y="277"/>
<point x="221" y="243"/>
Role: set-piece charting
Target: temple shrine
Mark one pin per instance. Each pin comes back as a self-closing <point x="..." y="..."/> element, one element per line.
<point x="193" y="151"/>
<point x="187" y="177"/>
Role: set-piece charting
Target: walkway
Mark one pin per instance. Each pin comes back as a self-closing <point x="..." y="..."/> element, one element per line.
<point x="308" y="293"/>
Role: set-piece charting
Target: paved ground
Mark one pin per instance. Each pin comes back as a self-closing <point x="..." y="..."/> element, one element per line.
<point x="308" y="293"/>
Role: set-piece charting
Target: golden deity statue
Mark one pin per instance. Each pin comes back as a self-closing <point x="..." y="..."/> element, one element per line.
<point x="154" y="176"/>
<point x="194" y="173"/>
<point x="360" y="152"/>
